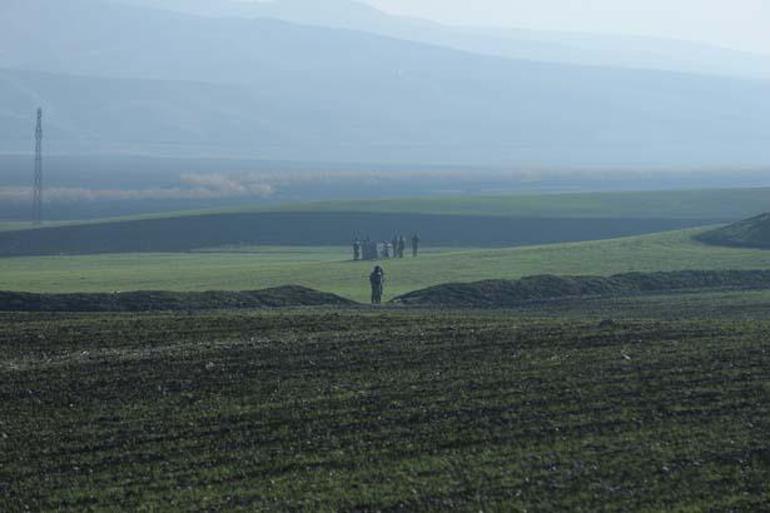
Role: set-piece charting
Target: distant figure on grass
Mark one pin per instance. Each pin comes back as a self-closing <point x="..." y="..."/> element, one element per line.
<point x="377" y="281"/>
<point x="368" y="249"/>
<point x="415" y="244"/>
<point x="401" y="246"/>
<point x="374" y="252"/>
<point x="356" y="249"/>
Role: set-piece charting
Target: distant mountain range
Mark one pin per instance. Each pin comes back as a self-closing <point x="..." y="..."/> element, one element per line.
<point x="558" y="47"/>
<point x="116" y="78"/>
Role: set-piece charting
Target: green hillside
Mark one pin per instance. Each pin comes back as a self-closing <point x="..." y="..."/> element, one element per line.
<point x="749" y="233"/>
<point x="329" y="269"/>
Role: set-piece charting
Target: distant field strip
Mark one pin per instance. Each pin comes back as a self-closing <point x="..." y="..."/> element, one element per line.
<point x="329" y="269"/>
<point x="723" y="204"/>
<point x="317" y="229"/>
<point x="480" y="221"/>
<point x="684" y="204"/>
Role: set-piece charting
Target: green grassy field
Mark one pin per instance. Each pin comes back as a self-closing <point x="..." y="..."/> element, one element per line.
<point x="690" y="204"/>
<point x="693" y="204"/>
<point x="747" y="233"/>
<point x="364" y="410"/>
<point x="328" y="269"/>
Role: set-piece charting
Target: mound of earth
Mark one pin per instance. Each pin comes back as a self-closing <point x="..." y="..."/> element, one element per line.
<point x="167" y="301"/>
<point x="749" y="233"/>
<point x="508" y="293"/>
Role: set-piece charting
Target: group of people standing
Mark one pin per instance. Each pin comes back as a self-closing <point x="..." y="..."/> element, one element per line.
<point x="369" y="249"/>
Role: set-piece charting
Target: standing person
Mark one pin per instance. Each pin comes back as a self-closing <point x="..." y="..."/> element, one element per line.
<point x="401" y="246"/>
<point x="377" y="281"/>
<point x="386" y="249"/>
<point x="356" y="249"/>
<point x="415" y="244"/>
<point x="394" y="244"/>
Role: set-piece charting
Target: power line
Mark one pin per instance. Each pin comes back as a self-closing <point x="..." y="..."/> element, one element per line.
<point x="38" y="187"/>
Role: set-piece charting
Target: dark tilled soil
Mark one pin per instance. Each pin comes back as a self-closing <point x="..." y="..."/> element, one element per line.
<point x="374" y="411"/>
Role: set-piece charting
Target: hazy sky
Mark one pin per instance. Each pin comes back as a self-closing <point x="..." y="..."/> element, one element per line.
<point x="742" y="24"/>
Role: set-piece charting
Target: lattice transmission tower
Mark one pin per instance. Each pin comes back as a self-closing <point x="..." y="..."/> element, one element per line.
<point x="37" y="200"/>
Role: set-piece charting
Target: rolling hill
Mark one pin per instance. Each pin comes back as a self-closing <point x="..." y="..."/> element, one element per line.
<point x="749" y="233"/>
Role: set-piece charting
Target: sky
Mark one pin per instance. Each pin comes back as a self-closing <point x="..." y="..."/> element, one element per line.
<point x="739" y="24"/>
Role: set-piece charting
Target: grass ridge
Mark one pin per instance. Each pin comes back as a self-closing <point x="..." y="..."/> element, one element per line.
<point x="147" y="301"/>
<point x="502" y="293"/>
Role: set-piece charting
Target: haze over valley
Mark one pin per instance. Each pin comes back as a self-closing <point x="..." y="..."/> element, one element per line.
<point x="229" y="95"/>
<point x="135" y="79"/>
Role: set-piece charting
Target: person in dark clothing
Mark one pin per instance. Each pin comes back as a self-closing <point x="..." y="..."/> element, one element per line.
<point x="415" y="244"/>
<point x="401" y="246"/>
<point x="377" y="281"/>
<point x="356" y="249"/>
<point x="394" y="245"/>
